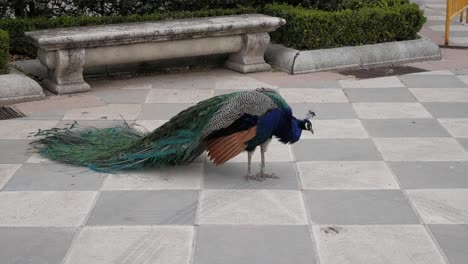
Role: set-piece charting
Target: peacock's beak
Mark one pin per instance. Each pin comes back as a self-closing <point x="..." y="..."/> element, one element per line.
<point x="311" y="131"/>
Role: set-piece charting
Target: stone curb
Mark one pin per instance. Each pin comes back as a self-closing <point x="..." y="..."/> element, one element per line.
<point x="346" y="58"/>
<point x="16" y="87"/>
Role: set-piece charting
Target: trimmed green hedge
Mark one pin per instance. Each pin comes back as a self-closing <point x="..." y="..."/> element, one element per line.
<point x="350" y="25"/>
<point x="17" y="27"/>
<point x="4" y="53"/>
<point x="313" y="29"/>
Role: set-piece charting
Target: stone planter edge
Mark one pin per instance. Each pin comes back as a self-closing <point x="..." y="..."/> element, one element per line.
<point x="348" y="58"/>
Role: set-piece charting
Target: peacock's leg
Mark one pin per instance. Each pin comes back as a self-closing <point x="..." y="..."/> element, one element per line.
<point x="249" y="175"/>
<point x="262" y="173"/>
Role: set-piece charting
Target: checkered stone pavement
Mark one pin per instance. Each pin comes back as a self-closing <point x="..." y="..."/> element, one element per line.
<point x="383" y="181"/>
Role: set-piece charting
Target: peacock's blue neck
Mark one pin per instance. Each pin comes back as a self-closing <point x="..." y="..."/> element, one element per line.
<point x="295" y="130"/>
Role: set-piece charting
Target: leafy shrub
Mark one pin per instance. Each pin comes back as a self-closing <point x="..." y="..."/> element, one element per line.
<point x="357" y="4"/>
<point x="17" y="27"/>
<point x="56" y="8"/>
<point x="4" y="53"/>
<point x="313" y="29"/>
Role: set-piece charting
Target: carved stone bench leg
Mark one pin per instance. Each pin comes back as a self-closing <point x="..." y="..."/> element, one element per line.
<point x="65" y="70"/>
<point x="250" y="58"/>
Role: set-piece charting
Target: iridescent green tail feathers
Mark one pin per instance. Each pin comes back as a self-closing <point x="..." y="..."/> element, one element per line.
<point x="124" y="147"/>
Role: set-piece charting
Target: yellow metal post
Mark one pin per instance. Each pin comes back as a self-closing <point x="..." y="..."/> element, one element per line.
<point x="447" y="21"/>
<point x="455" y="8"/>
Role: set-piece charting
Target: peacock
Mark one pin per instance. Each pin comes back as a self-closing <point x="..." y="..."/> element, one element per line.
<point x="224" y="126"/>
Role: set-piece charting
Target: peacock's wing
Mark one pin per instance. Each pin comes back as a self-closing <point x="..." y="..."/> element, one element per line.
<point x="235" y="124"/>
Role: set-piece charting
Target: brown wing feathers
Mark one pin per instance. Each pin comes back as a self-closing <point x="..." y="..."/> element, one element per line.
<point x="225" y="148"/>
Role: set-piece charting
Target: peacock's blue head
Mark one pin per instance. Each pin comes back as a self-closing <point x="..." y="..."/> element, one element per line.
<point x="306" y="125"/>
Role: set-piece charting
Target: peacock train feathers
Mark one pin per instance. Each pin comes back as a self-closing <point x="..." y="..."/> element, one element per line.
<point x="224" y="126"/>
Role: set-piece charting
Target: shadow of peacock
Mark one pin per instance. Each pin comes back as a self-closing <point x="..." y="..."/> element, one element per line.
<point x="224" y="126"/>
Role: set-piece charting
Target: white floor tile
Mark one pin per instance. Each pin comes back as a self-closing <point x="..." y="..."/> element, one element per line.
<point x="390" y="110"/>
<point x="441" y="206"/>
<point x="382" y="244"/>
<point x="107" y="112"/>
<point x="240" y="82"/>
<point x="175" y="95"/>
<point x="337" y="128"/>
<point x="420" y="149"/>
<point x="346" y="175"/>
<point x="149" y="125"/>
<point x="22" y="129"/>
<point x="124" y="244"/>
<point x="440" y="94"/>
<point x="305" y="95"/>
<point x="49" y="208"/>
<point x="457" y="127"/>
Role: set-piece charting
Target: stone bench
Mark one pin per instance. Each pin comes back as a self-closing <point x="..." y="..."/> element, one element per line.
<point x="66" y="51"/>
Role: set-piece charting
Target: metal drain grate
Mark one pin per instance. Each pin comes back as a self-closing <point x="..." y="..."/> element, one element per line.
<point x="7" y="112"/>
<point x="382" y="71"/>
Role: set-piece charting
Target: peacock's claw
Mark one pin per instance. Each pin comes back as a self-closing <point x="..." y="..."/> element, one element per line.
<point x="255" y="178"/>
<point x="265" y="175"/>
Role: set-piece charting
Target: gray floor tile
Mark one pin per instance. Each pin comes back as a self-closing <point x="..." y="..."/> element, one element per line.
<point x="463" y="142"/>
<point x="447" y="110"/>
<point x="460" y="71"/>
<point x="359" y="207"/>
<point x="252" y="207"/>
<point x="420" y="127"/>
<point x="119" y="96"/>
<point x="379" y="95"/>
<point x="232" y="176"/>
<point x="253" y="244"/>
<point x="432" y="81"/>
<point x="54" y="177"/>
<point x="161" y="111"/>
<point x="34" y="245"/>
<point x="6" y="172"/>
<point x="336" y="149"/>
<point x="458" y="34"/>
<point x="145" y="208"/>
<point x="379" y="82"/>
<point x="453" y="239"/>
<point x="324" y="110"/>
<point x="18" y="151"/>
<point x="431" y="175"/>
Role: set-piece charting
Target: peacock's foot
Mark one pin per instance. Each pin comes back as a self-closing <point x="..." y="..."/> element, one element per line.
<point x="265" y="175"/>
<point x="255" y="178"/>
